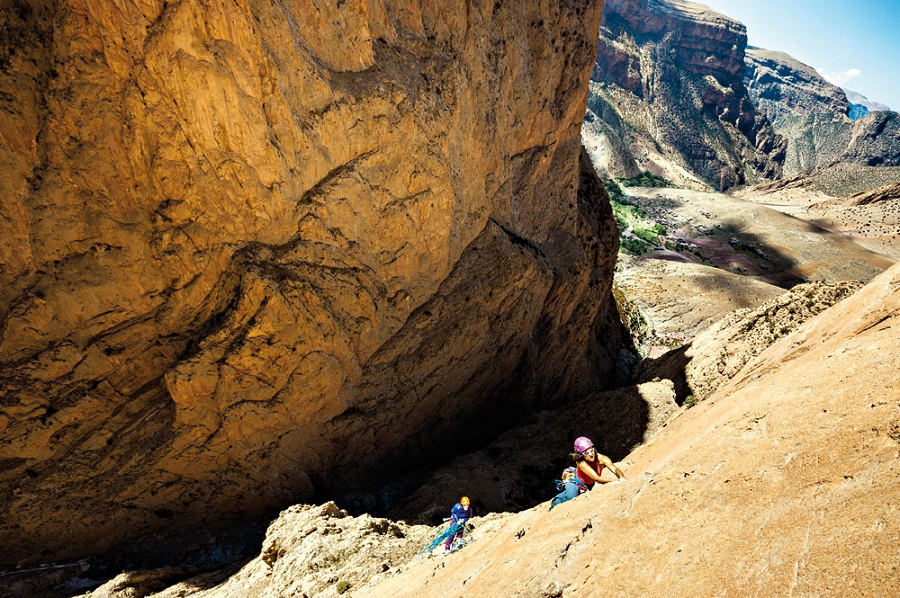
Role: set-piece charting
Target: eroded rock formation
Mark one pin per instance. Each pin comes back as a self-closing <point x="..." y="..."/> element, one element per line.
<point x="783" y="481"/>
<point x="813" y="116"/>
<point x="252" y="249"/>
<point x="668" y="88"/>
<point x="719" y="353"/>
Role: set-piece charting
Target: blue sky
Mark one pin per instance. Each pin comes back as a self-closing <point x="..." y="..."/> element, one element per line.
<point x="854" y="44"/>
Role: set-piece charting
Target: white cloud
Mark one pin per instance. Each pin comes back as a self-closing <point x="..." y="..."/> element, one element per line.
<point x="841" y="79"/>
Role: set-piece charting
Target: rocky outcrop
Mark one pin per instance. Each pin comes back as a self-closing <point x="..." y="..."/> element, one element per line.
<point x="254" y="251"/>
<point x="838" y="179"/>
<point x="310" y="550"/>
<point x="874" y="140"/>
<point x="783" y="482"/>
<point x="672" y="73"/>
<point x="719" y="353"/>
<point x="885" y="193"/>
<point x="814" y="117"/>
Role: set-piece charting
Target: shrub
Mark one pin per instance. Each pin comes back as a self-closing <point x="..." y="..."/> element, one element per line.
<point x="629" y="215"/>
<point x="615" y="192"/>
<point x="646" y="235"/>
<point x="634" y="246"/>
<point x="646" y="179"/>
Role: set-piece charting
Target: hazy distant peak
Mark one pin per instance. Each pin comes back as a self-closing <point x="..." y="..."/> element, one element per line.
<point x="858" y="98"/>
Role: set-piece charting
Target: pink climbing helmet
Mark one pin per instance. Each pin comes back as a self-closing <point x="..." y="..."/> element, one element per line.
<point x="582" y="444"/>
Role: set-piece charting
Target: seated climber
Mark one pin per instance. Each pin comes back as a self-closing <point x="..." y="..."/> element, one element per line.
<point x="459" y="516"/>
<point x="589" y="470"/>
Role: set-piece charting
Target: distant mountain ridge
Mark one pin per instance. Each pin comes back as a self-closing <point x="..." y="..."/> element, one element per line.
<point x="667" y="95"/>
<point x="861" y="106"/>
<point x="815" y="117"/>
<point x="677" y="91"/>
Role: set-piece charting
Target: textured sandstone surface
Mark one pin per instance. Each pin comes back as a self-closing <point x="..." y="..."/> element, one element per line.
<point x="668" y="86"/>
<point x="782" y="483"/>
<point x="719" y="353"/>
<point x="250" y="249"/>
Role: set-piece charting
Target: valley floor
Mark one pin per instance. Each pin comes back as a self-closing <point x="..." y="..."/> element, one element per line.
<point x="724" y="252"/>
<point x="874" y="226"/>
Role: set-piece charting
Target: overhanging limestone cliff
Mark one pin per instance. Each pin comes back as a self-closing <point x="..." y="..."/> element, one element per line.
<point x="251" y="248"/>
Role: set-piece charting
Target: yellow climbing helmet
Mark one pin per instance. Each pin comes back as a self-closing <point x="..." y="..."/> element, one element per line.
<point x="464" y="501"/>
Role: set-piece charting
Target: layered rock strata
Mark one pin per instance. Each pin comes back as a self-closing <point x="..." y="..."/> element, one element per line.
<point x="813" y="116"/>
<point x="668" y="87"/>
<point x="256" y="250"/>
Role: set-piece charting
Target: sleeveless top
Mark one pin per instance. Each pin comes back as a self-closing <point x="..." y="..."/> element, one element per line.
<point x="586" y="480"/>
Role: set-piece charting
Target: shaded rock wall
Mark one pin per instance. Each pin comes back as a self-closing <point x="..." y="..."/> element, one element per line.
<point x="783" y="482"/>
<point x="814" y="116"/>
<point x="672" y="71"/>
<point x="254" y="250"/>
<point x="517" y="470"/>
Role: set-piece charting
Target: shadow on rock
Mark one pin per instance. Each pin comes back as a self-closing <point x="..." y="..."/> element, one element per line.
<point x="720" y="352"/>
<point x="517" y="470"/>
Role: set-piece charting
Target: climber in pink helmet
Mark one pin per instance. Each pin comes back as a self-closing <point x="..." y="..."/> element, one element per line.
<point x="590" y="468"/>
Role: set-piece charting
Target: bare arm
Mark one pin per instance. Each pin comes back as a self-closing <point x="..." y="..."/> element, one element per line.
<point x="586" y="468"/>
<point x="607" y="462"/>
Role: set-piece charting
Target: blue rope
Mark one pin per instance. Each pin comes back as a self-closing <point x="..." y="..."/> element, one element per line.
<point x="442" y="537"/>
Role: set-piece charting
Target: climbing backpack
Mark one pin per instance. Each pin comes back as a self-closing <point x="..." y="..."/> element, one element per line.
<point x="568" y="474"/>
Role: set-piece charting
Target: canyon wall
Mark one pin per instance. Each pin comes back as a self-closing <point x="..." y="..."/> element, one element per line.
<point x="782" y="482"/>
<point x="813" y="116"/>
<point x="254" y="251"/>
<point x="667" y="95"/>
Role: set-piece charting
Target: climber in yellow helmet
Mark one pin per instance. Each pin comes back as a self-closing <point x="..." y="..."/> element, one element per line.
<point x="460" y="513"/>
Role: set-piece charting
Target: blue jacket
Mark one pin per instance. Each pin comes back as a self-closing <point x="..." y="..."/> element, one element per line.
<point x="460" y="513"/>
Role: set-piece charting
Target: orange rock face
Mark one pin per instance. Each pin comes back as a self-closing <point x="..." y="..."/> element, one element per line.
<point x="783" y="483"/>
<point x="252" y="250"/>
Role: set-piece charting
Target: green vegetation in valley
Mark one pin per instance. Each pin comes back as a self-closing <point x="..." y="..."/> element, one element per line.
<point x="615" y="192"/>
<point x="637" y="231"/>
<point x="646" y="179"/>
